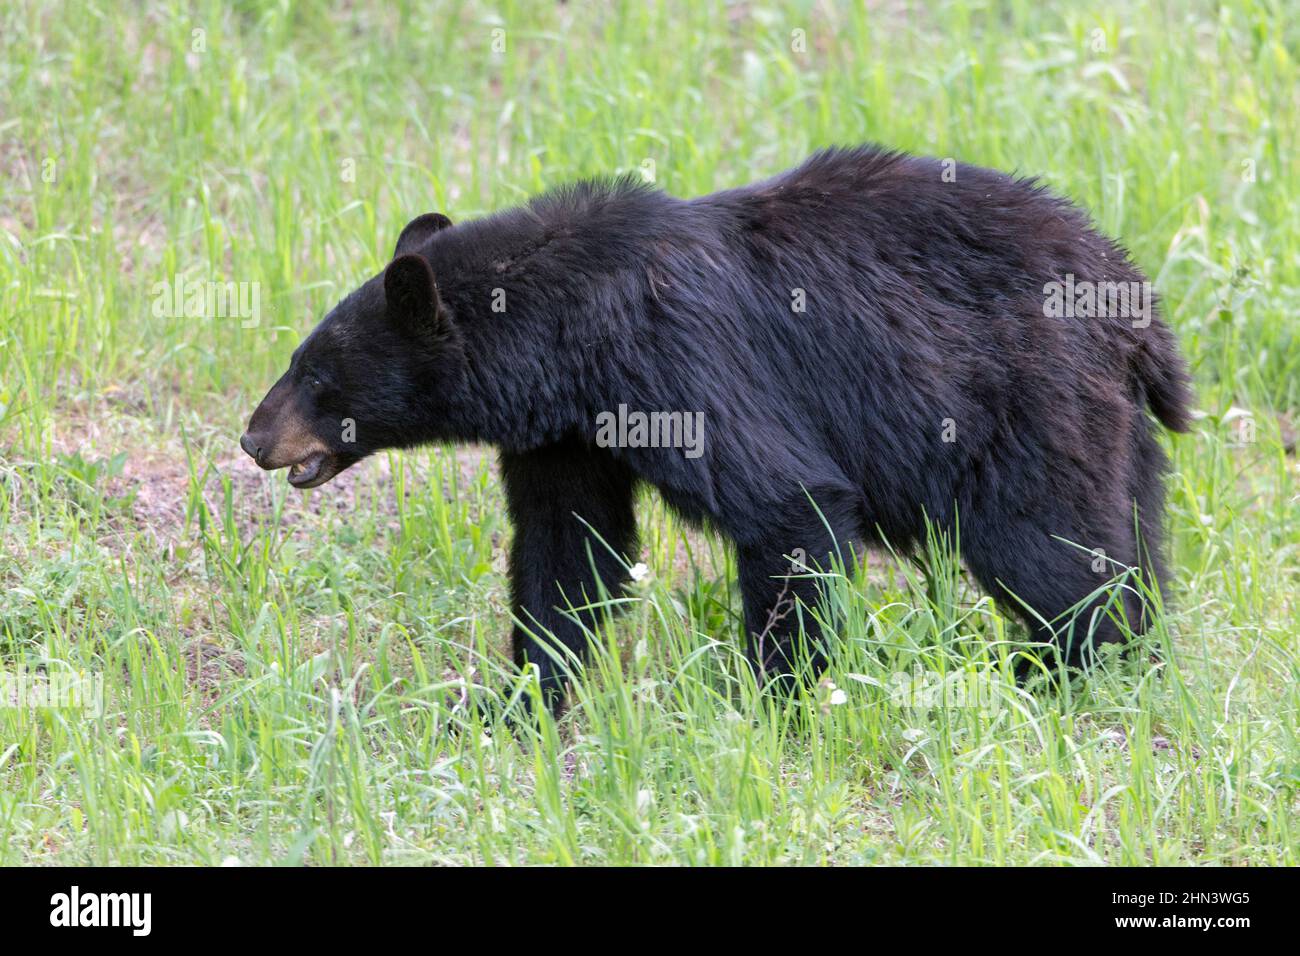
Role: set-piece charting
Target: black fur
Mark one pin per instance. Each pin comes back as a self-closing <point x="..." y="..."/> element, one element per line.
<point x="924" y="311"/>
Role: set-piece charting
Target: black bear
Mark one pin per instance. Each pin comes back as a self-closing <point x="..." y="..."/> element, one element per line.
<point x="834" y="356"/>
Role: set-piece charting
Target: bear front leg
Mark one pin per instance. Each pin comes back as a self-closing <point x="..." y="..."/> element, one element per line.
<point x="557" y="497"/>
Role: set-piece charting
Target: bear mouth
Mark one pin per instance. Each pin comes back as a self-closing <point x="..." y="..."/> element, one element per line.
<point x="315" y="469"/>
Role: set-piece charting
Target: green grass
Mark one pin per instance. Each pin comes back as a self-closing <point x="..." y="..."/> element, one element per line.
<point x="285" y="674"/>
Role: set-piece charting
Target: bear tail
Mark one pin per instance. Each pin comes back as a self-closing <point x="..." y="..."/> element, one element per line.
<point x="1165" y="379"/>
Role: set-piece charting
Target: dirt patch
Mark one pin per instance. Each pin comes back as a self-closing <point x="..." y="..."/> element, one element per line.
<point x="207" y="666"/>
<point x="162" y="480"/>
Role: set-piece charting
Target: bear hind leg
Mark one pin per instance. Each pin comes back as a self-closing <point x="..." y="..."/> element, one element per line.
<point x="775" y="579"/>
<point x="1057" y="587"/>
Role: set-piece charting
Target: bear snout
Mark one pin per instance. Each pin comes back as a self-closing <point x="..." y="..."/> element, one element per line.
<point x="254" y="447"/>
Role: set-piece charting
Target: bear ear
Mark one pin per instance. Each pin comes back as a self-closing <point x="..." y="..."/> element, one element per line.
<point x="412" y="297"/>
<point x="419" y="229"/>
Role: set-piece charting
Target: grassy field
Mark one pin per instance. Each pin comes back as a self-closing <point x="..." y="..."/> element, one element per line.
<point x="284" y="673"/>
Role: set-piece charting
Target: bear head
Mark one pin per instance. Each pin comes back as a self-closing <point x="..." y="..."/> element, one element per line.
<point x="366" y="377"/>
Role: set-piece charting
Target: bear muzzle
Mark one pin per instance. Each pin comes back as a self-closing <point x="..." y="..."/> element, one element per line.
<point x="308" y="466"/>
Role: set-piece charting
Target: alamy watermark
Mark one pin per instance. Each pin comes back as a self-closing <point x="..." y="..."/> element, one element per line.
<point x="61" y="690"/>
<point x="1084" y="299"/>
<point x="636" y="429"/>
<point x="74" y="908"/>
<point x="930" y="690"/>
<point x="183" y="298"/>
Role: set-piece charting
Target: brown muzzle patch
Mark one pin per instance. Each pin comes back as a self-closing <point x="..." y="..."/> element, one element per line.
<point x="279" y="434"/>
